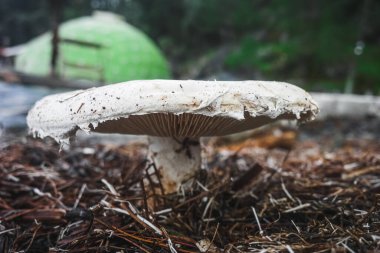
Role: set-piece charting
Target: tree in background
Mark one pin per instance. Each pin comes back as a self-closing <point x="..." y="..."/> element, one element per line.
<point x="330" y="45"/>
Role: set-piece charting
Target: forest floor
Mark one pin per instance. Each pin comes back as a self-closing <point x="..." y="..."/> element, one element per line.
<point x="316" y="189"/>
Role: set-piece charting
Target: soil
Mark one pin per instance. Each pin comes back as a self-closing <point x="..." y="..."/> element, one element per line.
<point x="316" y="189"/>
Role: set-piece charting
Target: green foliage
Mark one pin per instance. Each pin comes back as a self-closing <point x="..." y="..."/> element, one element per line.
<point x="282" y="39"/>
<point x="368" y="68"/>
<point x="263" y="56"/>
<point x="327" y="85"/>
<point x="369" y="63"/>
<point x="315" y="39"/>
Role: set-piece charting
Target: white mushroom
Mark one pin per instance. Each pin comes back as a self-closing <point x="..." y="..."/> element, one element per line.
<point x="174" y="113"/>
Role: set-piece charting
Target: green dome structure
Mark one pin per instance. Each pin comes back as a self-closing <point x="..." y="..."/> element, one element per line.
<point x="102" y="48"/>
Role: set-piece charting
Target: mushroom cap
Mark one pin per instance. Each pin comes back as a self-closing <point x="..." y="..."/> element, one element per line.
<point x="166" y="108"/>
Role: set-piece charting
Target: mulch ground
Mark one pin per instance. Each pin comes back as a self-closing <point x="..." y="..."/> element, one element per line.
<point x="281" y="190"/>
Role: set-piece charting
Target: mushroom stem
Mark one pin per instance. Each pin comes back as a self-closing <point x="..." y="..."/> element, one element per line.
<point x="177" y="159"/>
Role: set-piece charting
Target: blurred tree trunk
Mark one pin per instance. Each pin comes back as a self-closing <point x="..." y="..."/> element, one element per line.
<point x="358" y="49"/>
<point x="56" y="14"/>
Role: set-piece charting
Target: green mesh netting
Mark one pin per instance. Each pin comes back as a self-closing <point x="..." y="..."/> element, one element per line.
<point x="101" y="48"/>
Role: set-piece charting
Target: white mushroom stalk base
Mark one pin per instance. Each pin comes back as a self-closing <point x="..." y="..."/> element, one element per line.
<point x="177" y="160"/>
